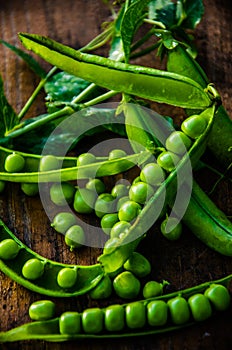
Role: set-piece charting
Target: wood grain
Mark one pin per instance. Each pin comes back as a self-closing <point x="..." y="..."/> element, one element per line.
<point x="184" y="263"/>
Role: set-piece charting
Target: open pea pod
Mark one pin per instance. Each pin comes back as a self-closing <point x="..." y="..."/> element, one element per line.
<point x="87" y="276"/>
<point x="50" y="330"/>
<point x="114" y="257"/>
<point x="149" y="83"/>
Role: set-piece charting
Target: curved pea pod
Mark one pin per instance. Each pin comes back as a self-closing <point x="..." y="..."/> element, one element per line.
<point x="50" y="330"/>
<point x="87" y="276"/>
<point x="220" y="139"/>
<point x="114" y="258"/>
<point x="149" y="83"/>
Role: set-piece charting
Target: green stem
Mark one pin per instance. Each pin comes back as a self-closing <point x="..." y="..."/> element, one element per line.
<point x="100" y="98"/>
<point x="84" y="93"/>
<point x="146" y="50"/>
<point x="155" y="23"/>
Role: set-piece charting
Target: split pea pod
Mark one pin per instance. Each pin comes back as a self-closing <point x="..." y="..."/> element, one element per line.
<point x="149" y="83"/>
<point x="156" y="315"/>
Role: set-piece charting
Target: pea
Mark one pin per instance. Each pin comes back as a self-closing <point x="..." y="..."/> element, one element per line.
<point x="63" y="221"/>
<point x="114" y="318"/>
<point x="119" y="227"/>
<point x="135" y="315"/>
<point x="66" y="277"/>
<point x="119" y="190"/>
<point x="108" y="221"/>
<point x="171" y="228"/>
<point x="33" y="269"/>
<point x="137" y="179"/>
<point x="105" y="204"/>
<point x="200" y="307"/>
<point x="84" y="201"/>
<point x="9" y="249"/>
<point x="92" y="320"/>
<point x="116" y="153"/>
<point x="121" y="201"/>
<point x="103" y="289"/>
<point x="75" y="237"/>
<point x="177" y="142"/>
<point x="49" y="162"/>
<point x="219" y="296"/>
<point x="126" y="285"/>
<point x="14" y="163"/>
<point x="2" y="185"/>
<point x="152" y="174"/>
<point x="62" y="193"/>
<point x="138" y="265"/>
<point x="31" y="164"/>
<point x="167" y="160"/>
<point x="70" y="322"/>
<point x="30" y="189"/>
<point x="42" y="310"/>
<point x="129" y="211"/>
<point x="152" y="289"/>
<point x="194" y="126"/>
<point x="85" y="159"/>
<point x="96" y="185"/>
<point x="157" y="313"/>
<point x="140" y="192"/>
<point x="179" y="310"/>
<point x="110" y="244"/>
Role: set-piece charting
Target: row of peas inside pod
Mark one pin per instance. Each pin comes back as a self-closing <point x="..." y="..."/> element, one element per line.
<point x="152" y="314"/>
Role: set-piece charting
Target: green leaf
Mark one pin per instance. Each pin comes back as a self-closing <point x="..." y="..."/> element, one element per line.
<point x="32" y="63"/>
<point x="194" y="10"/>
<point x="8" y="117"/>
<point x="163" y="11"/>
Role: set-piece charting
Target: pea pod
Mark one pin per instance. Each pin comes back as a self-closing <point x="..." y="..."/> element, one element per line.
<point x="149" y="83"/>
<point x="87" y="276"/>
<point x="125" y="245"/>
<point x="50" y="330"/>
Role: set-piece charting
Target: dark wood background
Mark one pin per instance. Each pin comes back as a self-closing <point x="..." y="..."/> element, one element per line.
<point x="184" y="263"/>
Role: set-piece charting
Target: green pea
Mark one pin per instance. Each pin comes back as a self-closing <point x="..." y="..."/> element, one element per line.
<point x="70" y="323"/>
<point x="200" y="307"/>
<point x="14" y="163"/>
<point x="119" y="227"/>
<point x="126" y="285"/>
<point x="171" y="228"/>
<point x="194" y="126"/>
<point x="138" y="265"/>
<point x="67" y="277"/>
<point x="219" y="296"/>
<point x="137" y="179"/>
<point x="30" y="189"/>
<point x="140" y="192"/>
<point x="152" y="289"/>
<point x="108" y="221"/>
<point x="121" y="201"/>
<point x="63" y="221"/>
<point x="62" y="193"/>
<point x="179" y="310"/>
<point x="33" y="269"/>
<point x="9" y="249"/>
<point x="96" y="185"/>
<point x="75" y="237"/>
<point x="117" y="153"/>
<point x="168" y="160"/>
<point x="103" y="289"/>
<point x="49" y="162"/>
<point x="129" y="211"/>
<point x="114" y="318"/>
<point x="157" y="313"/>
<point x="85" y="159"/>
<point x="105" y="204"/>
<point x="42" y="310"/>
<point x="119" y="190"/>
<point x="2" y="186"/>
<point x="152" y="174"/>
<point x="92" y="320"/>
<point x="135" y="315"/>
<point x="31" y="164"/>
<point x="84" y="201"/>
<point x="177" y="142"/>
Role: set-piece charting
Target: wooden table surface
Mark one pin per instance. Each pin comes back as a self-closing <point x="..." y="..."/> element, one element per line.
<point x="184" y="263"/>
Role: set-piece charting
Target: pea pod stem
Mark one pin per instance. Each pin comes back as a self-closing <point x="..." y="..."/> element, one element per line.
<point x="49" y="330"/>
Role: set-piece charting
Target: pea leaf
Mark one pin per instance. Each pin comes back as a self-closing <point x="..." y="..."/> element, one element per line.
<point x="8" y="117"/>
<point x="163" y="11"/>
<point x="194" y="10"/>
<point x="32" y="63"/>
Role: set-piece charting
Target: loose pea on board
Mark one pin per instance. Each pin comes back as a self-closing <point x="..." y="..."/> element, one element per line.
<point x="126" y="285"/>
<point x="63" y="221"/>
<point x="42" y="310"/>
<point x="138" y="265"/>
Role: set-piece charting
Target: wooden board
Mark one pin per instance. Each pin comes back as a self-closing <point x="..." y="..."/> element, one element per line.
<point x="184" y="263"/>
